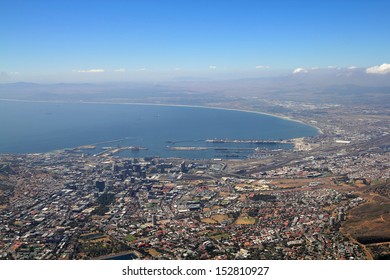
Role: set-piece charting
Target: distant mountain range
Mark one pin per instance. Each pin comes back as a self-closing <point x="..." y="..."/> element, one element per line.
<point x="315" y="85"/>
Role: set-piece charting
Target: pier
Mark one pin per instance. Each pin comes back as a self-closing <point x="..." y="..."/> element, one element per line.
<point x="247" y="141"/>
<point x="109" y="151"/>
<point x="208" y="148"/>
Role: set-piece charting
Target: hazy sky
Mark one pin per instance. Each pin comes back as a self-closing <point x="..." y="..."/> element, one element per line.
<point x="125" y="40"/>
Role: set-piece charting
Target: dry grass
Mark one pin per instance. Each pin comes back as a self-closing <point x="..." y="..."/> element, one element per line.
<point x="209" y="221"/>
<point x="244" y="220"/>
<point x="220" y="218"/>
<point x="153" y="252"/>
<point x="360" y="184"/>
<point x="224" y="194"/>
<point x="296" y="183"/>
<point x="369" y="220"/>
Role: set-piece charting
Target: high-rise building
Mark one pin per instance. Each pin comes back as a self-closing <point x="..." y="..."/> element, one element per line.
<point x="100" y="185"/>
<point x="341" y="216"/>
<point x="183" y="167"/>
<point x="332" y="221"/>
<point x="154" y="220"/>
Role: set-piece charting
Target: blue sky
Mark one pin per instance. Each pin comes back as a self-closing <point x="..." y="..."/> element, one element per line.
<point x="121" y="40"/>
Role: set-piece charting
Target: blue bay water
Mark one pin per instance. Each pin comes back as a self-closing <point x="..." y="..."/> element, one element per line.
<point x="32" y="127"/>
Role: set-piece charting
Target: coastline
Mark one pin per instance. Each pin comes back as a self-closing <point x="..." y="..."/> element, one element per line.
<point x="167" y="105"/>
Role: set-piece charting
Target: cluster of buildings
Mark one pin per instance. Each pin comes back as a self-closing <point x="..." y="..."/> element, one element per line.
<point x="70" y="206"/>
<point x="368" y="166"/>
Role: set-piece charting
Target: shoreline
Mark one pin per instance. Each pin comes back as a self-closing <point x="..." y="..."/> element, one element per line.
<point x="319" y="131"/>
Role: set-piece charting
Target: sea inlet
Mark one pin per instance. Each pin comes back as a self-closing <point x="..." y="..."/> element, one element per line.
<point x="142" y="130"/>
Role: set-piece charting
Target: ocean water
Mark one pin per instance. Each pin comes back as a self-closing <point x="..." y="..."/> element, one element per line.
<point x="33" y="127"/>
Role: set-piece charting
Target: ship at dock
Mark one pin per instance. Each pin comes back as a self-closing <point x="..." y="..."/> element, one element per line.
<point x="245" y="141"/>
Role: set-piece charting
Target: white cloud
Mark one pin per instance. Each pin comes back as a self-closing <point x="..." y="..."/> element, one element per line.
<point x="177" y="69"/>
<point x="352" y="67"/>
<point x="262" y="67"/>
<point x="379" y="69"/>
<point x="4" y="77"/>
<point x="299" y="70"/>
<point x="91" y="71"/>
<point x="141" y="69"/>
<point x="212" y="67"/>
<point x="121" y="70"/>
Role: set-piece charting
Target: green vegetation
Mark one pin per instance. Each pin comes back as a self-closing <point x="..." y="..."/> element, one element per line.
<point x="253" y="212"/>
<point x="130" y="238"/>
<point x="220" y="236"/>
<point x="104" y="200"/>
<point x="100" y="211"/>
<point x="151" y="205"/>
<point x="97" y="249"/>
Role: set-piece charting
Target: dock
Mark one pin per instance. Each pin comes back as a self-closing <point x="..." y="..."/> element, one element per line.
<point x="246" y="141"/>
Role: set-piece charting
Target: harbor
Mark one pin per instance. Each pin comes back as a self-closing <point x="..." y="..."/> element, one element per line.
<point x="208" y="148"/>
<point x="247" y="141"/>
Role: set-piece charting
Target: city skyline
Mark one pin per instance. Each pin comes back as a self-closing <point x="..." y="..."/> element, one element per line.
<point x="87" y="41"/>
